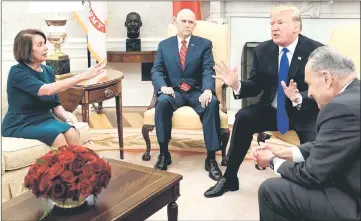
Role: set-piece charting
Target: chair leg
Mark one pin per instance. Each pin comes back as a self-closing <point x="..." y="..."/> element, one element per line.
<point x="145" y="131"/>
<point x="225" y="133"/>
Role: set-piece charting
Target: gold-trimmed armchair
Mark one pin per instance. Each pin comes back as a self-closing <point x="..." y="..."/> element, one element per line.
<point x="185" y="117"/>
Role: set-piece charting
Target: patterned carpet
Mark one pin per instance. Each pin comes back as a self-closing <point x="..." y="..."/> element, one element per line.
<point x="182" y="140"/>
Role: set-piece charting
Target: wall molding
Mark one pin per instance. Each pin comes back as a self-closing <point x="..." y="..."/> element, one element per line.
<point x="320" y="9"/>
<point x="76" y="47"/>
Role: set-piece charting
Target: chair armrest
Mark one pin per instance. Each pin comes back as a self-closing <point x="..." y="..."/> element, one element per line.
<point x="70" y="116"/>
<point x="152" y="103"/>
<point x="224" y="98"/>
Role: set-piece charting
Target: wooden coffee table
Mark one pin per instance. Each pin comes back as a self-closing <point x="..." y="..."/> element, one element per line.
<point x="134" y="193"/>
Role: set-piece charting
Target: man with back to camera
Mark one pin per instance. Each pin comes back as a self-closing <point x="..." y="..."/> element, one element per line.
<point x="182" y="75"/>
<point x="323" y="183"/>
<point x="276" y="63"/>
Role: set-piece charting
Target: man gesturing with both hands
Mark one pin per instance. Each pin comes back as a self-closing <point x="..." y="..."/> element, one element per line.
<point x="278" y="72"/>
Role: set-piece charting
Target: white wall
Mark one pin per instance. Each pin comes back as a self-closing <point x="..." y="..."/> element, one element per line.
<point x="155" y="15"/>
<point x="248" y="22"/>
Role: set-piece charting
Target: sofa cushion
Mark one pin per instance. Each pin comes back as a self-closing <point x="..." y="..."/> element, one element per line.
<point x="12" y="184"/>
<point x="2" y="165"/>
<point x="20" y="152"/>
<point x="184" y="118"/>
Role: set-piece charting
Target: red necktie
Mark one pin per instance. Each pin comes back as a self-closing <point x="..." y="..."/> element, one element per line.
<point x="182" y="55"/>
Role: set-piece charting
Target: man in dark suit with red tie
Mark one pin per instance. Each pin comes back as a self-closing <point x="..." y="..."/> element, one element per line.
<point x="182" y="75"/>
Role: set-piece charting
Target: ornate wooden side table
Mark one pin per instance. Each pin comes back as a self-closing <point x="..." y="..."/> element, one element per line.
<point x="88" y="92"/>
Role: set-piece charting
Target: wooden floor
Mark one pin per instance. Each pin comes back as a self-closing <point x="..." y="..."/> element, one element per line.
<point x="132" y="117"/>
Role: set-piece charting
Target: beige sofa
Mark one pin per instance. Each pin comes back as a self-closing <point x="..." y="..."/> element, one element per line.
<point x="18" y="154"/>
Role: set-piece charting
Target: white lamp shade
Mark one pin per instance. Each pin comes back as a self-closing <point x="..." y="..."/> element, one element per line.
<point x="55" y="6"/>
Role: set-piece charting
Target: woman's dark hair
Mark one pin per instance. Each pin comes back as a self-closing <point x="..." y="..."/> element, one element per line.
<point x="23" y="45"/>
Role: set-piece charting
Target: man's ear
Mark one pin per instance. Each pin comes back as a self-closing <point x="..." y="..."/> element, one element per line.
<point x="328" y="80"/>
<point x="140" y="24"/>
<point x="125" y="24"/>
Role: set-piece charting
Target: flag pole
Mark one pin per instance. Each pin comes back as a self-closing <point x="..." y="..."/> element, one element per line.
<point x="88" y="53"/>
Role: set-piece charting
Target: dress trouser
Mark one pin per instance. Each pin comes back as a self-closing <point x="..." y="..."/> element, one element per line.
<point x="209" y="116"/>
<point x="252" y="119"/>
<point x="280" y="199"/>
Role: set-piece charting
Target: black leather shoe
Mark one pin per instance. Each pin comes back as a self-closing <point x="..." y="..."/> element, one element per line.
<point x="212" y="167"/>
<point x="222" y="186"/>
<point x="163" y="161"/>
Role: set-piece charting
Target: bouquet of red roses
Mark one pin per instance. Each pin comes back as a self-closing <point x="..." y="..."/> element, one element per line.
<point x="68" y="173"/>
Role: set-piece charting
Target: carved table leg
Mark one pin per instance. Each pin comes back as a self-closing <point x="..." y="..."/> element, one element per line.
<point x="85" y="112"/>
<point x="118" y="104"/>
<point x="172" y="210"/>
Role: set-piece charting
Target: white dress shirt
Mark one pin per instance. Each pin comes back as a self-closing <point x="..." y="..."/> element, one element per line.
<point x="180" y="42"/>
<point x="296" y="153"/>
<point x="291" y="50"/>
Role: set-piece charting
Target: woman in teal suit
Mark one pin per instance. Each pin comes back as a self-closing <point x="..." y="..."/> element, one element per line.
<point x="32" y="94"/>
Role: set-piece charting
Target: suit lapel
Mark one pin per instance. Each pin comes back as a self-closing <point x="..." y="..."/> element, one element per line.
<point x="296" y="56"/>
<point x="273" y="65"/>
<point x="190" y="51"/>
<point x="175" y="51"/>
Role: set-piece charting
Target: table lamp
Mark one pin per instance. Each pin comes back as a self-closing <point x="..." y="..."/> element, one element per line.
<point x="56" y="32"/>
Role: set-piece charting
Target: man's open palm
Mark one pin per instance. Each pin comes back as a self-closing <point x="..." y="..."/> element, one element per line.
<point x="227" y="75"/>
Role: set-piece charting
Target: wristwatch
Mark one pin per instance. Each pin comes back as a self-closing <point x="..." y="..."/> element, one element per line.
<point x="271" y="162"/>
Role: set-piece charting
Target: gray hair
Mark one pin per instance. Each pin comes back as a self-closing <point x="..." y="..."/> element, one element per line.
<point x="296" y="14"/>
<point x="328" y="59"/>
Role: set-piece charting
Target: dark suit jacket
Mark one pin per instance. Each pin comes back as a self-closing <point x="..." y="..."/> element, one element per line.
<point x="333" y="159"/>
<point x="198" y="68"/>
<point x="264" y="77"/>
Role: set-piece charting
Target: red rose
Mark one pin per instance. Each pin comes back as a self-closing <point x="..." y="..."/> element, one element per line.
<point x="68" y="176"/>
<point x="45" y="185"/>
<point x="33" y="168"/>
<point x="55" y="170"/>
<point x="85" y="188"/>
<point x="80" y="149"/>
<point x="72" y="186"/>
<point x="104" y="179"/>
<point x="76" y="165"/>
<point x="30" y="182"/>
<point x="90" y="158"/>
<point x="98" y="165"/>
<point x="87" y="174"/>
<point x="58" y="190"/>
<point x="42" y="169"/>
<point x="50" y="158"/>
<point x="97" y="188"/>
<point x="93" y="153"/>
<point x="66" y="157"/>
<point x="72" y="192"/>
